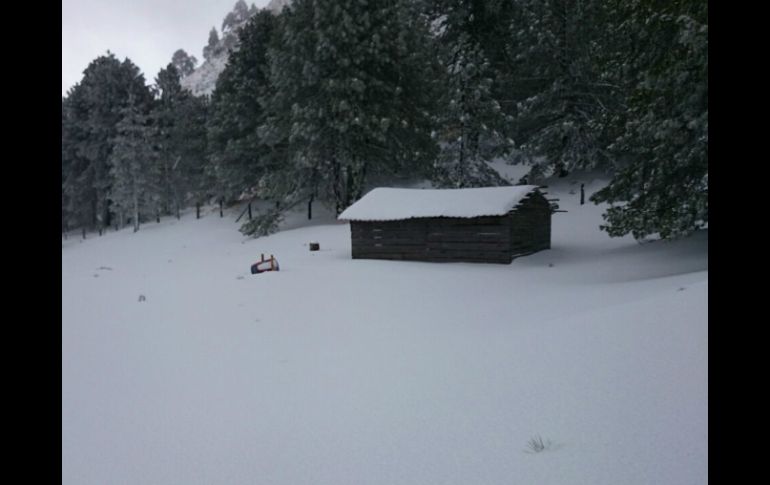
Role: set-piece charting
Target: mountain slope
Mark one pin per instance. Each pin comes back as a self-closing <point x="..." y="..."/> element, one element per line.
<point x="276" y="6"/>
<point x="203" y="80"/>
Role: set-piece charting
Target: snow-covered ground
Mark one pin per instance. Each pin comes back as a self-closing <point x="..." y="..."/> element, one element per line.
<point x="341" y="371"/>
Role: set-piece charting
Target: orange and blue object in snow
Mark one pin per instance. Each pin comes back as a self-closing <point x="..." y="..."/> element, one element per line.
<point x="264" y="265"/>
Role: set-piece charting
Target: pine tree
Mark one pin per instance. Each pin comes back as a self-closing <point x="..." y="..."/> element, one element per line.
<point x="350" y="93"/>
<point x="74" y="212"/>
<point x="241" y="10"/>
<point x="191" y="154"/>
<point x="661" y="184"/>
<point x="228" y="23"/>
<point x="67" y="161"/>
<point x="165" y="117"/>
<point x="92" y="111"/>
<point x="562" y="98"/>
<point x="134" y="167"/>
<point x="183" y="62"/>
<point x="180" y="128"/>
<point x="213" y="46"/>
<point x="239" y="158"/>
<point x="470" y="122"/>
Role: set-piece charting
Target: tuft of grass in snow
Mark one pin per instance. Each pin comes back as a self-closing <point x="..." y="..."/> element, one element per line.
<point x="536" y="444"/>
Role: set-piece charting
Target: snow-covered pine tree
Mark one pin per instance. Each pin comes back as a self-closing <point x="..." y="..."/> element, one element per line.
<point x="213" y="46"/>
<point x="239" y="158"/>
<point x="295" y="177"/>
<point x="471" y="122"/>
<point x="350" y="90"/>
<point x="191" y="144"/>
<point x="470" y="125"/>
<point x="661" y="184"/>
<point x="562" y="97"/>
<point x="184" y="62"/>
<point x="135" y="192"/>
<point x="238" y="15"/>
<point x="76" y="209"/>
<point x="93" y="109"/>
<point x="65" y="169"/>
<point x="179" y="120"/>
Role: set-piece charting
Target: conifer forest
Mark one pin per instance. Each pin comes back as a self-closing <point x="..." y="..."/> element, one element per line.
<point x="319" y="102"/>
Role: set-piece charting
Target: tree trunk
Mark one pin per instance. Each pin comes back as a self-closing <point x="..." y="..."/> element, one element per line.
<point x="107" y="215"/>
<point x="221" y="212"/>
<point x="197" y="210"/>
<point x="582" y="195"/>
<point x="474" y="144"/>
<point x="461" y="159"/>
<point x="101" y="211"/>
<point x="249" y="210"/>
<point x="177" y="204"/>
<point x="136" y="211"/>
<point x="170" y="192"/>
<point x="92" y="216"/>
<point x="310" y="208"/>
<point x="356" y="180"/>
<point x="360" y="183"/>
<point x="336" y="185"/>
<point x="349" y="183"/>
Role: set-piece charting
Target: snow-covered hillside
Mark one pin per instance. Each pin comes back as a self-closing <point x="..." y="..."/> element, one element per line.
<point x="276" y="6"/>
<point x="203" y="80"/>
<point x="341" y="371"/>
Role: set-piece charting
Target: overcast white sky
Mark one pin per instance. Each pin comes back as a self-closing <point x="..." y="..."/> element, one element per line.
<point x="146" y="31"/>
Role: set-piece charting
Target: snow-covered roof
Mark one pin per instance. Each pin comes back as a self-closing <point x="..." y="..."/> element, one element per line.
<point x="388" y="204"/>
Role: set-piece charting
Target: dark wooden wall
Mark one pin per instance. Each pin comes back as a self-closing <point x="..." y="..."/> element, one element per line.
<point x="531" y="226"/>
<point x="444" y="239"/>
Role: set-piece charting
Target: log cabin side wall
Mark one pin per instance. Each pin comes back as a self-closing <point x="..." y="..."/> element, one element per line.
<point x="530" y="225"/>
<point x="491" y="239"/>
<point x="479" y="239"/>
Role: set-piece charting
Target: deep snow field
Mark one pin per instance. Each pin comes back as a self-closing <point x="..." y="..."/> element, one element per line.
<point x="340" y="371"/>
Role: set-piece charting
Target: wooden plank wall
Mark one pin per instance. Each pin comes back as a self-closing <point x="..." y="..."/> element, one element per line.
<point x="481" y="239"/>
<point x="522" y="231"/>
<point x="531" y="226"/>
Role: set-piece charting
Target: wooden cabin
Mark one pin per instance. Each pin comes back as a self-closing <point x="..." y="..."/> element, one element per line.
<point x="484" y="225"/>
